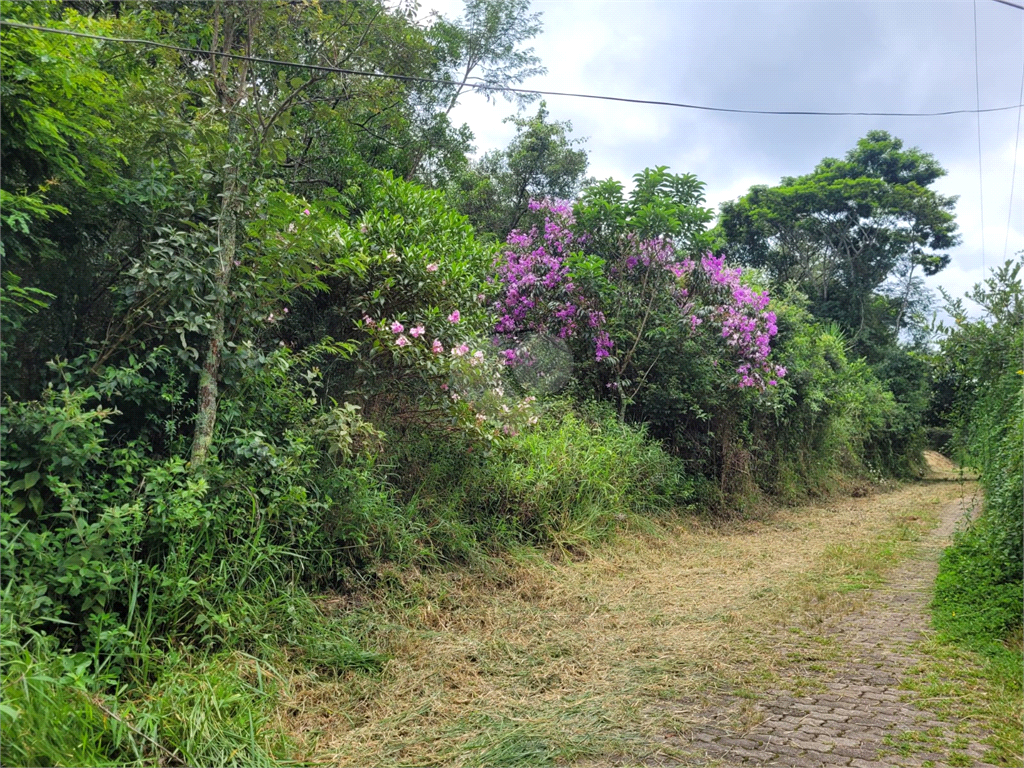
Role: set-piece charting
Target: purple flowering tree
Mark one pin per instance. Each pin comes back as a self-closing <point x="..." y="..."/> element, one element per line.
<point x="542" y="288"/>
<point x="631" y="281"/>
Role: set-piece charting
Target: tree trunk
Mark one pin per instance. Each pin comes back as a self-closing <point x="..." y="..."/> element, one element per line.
<point x="906" y="300"/>
<point x="206" y="415"/>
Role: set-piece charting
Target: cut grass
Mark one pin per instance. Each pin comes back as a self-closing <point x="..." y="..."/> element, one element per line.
<point x="595" y="661"/>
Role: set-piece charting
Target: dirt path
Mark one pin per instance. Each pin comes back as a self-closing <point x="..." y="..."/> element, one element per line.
<point x="777" y="641"/>
<point x="862" y="713"/>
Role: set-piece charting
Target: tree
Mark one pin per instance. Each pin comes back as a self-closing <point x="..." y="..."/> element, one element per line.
<point x="482" y="48"/>
<point x="487" y="40"/>
<point x="541" y="162"/>
<point x="843" y="230"/>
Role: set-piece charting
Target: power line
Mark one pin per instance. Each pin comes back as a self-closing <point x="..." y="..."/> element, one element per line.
<point x="977" y="97"/>
<point x="499" y="88"/>
<point x="1012" y="5"/>
<point x="1013" y="173"/>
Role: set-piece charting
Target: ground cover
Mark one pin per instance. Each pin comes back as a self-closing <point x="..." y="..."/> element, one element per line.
<point x="606" y="659"/>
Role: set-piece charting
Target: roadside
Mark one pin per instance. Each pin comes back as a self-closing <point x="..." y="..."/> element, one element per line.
<point x="858" y="711"/>
<point x="620" y="658"/>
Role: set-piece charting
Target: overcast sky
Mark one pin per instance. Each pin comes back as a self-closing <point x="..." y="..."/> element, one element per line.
<point x="886" y="56"/>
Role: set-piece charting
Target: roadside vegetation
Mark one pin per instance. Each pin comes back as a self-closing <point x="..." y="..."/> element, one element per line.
<point x="275" y="347"/>
<point x="978" y="593"/>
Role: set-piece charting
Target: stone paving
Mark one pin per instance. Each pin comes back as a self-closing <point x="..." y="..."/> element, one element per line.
<point x="846" y="725"/>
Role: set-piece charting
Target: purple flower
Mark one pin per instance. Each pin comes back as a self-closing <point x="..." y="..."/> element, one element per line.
<point x="397" y="327"/>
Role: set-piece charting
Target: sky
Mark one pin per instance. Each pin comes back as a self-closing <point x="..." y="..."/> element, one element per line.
<point x="878" y="56"/>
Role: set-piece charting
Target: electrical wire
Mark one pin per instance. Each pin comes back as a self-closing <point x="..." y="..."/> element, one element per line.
<point x="499" y="88"/>
<point x="1012" y="5"/>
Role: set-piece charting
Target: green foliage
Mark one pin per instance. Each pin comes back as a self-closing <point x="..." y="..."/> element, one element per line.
<point x="570" y="481"/>
<point x="57" y="146"/>
<point x="978" y="598"/>
<point x="540" y="163"/>
<point x="217" y="712"/>
<point x="825" y="415"/>
<point x="841" y="231"/>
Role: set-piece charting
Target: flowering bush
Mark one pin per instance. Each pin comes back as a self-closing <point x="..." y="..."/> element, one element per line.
<point x="710" y="291"/>
<point x="541" y="292"/>
<point x="460" y="386"/>
<point x="548" y="285"/>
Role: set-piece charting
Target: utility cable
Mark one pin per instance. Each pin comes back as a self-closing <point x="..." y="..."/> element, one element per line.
<point x="496" y="88"/>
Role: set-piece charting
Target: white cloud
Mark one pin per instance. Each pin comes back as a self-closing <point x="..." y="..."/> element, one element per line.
<point x="893" y="56"/>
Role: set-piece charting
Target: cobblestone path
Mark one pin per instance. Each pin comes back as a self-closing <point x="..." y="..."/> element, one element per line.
<point x="848" y="724"/>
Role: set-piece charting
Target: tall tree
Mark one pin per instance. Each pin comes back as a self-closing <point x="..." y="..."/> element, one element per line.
<point x="541" y="162"/>
<point x="845" y="229"/>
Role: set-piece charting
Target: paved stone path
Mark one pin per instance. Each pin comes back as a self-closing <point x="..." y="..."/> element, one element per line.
<point x="863" y="704"/>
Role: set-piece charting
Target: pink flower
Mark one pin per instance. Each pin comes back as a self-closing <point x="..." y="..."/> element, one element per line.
<point x="454" y="317"/>
<point x="285" y="310"/>
<point x="437" y="349"/>
<point x="478" y="355"/>
<point x="368" y="320"/>
<point x="418" y="331"/>
<point x="397" y="327"/>
<point x="306" y="212"/>
<point x="402" y="341"/>
<point x="444" y="387"/>
<point x="460" y="350"/>
<point x="432" y="267"/>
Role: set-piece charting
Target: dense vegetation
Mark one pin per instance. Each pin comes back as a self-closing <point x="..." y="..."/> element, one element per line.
<point x="978" y="594"/>
<point x="269" y="333"/>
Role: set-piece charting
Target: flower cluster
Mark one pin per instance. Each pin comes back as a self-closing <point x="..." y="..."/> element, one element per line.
<point x="465" y="383"/>
<point x="740" y="313"/>
<point x="653" y="252"/>
<point x="540" y="294"/>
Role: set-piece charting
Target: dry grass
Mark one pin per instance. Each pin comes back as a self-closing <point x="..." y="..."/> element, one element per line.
<point x="592" y="662"/>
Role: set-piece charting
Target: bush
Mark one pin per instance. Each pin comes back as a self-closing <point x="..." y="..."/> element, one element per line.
<point x="570" y="481"/>
<point x="978" y="599"/>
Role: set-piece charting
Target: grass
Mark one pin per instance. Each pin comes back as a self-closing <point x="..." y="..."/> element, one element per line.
<point x="216" y="710"/>
<point x="957" y="684"/>
<point x="591" y="657"/>
<point x="596" y="660"/>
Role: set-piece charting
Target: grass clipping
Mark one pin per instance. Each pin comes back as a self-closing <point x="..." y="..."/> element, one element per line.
<point x="596" y="661"/>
